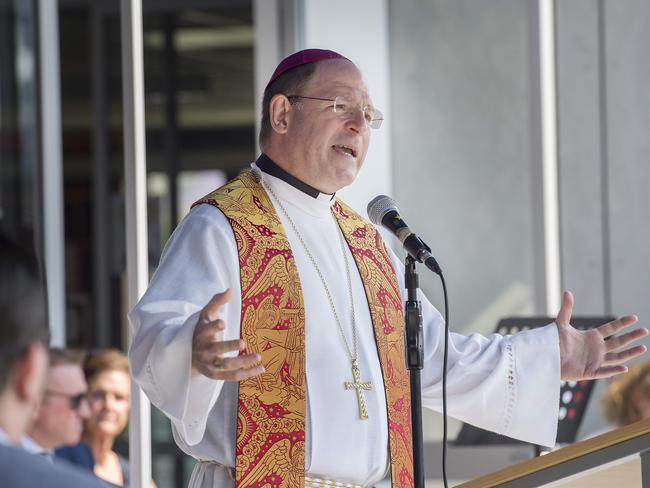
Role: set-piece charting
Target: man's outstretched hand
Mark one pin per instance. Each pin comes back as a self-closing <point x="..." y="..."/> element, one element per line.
<point x="209" y="350"/>
<point x="585" y="354"/>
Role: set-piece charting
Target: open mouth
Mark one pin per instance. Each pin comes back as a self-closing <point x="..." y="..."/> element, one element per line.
<point x="345" y="150"/>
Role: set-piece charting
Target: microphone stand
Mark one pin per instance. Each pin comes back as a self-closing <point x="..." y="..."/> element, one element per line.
<point x="414" y="363"/>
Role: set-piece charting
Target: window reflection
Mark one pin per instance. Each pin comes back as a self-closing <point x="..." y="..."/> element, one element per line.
<point x="19" y="150"/>
<point x="200" y="117"/>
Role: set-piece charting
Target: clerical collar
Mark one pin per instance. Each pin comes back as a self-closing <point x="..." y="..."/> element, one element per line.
<point x="269" y="166"/>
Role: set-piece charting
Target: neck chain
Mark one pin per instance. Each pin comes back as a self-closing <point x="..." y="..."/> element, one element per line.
<point x="357" y="384"/>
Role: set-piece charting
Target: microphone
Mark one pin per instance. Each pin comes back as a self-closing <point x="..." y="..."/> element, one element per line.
<point x="382" y="210"/>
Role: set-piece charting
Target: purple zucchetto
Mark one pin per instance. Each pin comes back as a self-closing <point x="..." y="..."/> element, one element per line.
<point x="303" y="57"/>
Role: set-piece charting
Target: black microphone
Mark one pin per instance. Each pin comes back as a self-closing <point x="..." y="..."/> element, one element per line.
<point x="382" y="210"/>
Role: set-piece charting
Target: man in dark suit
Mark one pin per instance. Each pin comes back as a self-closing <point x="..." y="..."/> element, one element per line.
<point x="21" y="469"/>
<point x="23" y="367"/>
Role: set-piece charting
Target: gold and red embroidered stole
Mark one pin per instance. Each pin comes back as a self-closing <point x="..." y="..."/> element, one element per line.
<point x="270" y="448"/>
<point x="385" y="303"/>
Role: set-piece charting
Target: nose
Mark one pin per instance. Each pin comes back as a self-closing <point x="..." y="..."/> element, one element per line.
<point x="109" y="402"/>
<point x="357" y="121"/>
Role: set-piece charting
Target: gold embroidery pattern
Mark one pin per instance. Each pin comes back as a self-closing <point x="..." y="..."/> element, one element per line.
<point x="270" y="449"/>
<point x="385" y="302"/>
<point x="271" y="408"/>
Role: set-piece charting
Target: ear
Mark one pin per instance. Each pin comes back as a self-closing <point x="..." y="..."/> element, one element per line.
<point x="30" y="374"/>
<point x="280" y="113"/>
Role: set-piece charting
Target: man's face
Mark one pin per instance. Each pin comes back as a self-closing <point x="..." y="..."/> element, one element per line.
<point x="59" y="423"/>
<point x="326" y="150"/>
<point x="29" y="379"/>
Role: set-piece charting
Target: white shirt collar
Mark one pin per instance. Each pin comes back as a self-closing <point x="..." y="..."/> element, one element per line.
<point x="4" y="438"/>
<point x="33" y="447"/>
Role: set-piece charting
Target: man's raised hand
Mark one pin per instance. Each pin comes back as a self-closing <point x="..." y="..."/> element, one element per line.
<point x="585" y="354"/>
<point x="209" y="348"/>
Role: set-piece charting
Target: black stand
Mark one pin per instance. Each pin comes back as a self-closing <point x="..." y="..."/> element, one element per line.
<point x="414" y="363"/>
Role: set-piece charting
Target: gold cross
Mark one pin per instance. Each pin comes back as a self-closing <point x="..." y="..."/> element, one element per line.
<point x="358" y="385"/>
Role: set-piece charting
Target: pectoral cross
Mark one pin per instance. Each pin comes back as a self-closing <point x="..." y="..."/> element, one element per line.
<point x="358" y="385"/>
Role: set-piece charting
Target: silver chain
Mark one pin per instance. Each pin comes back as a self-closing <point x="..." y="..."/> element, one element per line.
<point x="352" y="353"/>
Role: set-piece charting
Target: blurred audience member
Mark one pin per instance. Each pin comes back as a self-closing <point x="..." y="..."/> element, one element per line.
<point x="23" y="370"/>
<point x="627" y="398"/>
<point x="109" y="399"/>
<point x="59" y="420"/>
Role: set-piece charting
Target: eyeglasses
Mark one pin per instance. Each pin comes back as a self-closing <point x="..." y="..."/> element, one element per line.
<point x="73" y="400"/>
<point x="346" y="109"/>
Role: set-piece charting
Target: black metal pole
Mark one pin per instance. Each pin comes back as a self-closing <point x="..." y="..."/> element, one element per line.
<point x="414" y="363"/>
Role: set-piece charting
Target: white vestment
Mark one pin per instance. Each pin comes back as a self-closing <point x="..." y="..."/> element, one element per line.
<point x="505" y="384"/>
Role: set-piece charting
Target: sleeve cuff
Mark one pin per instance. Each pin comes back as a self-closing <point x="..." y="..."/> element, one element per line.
<point x="535" y="372"/>
<point x="186" y="398"/>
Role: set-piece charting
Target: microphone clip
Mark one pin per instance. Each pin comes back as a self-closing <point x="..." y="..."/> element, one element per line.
<point x="421" y="252"/>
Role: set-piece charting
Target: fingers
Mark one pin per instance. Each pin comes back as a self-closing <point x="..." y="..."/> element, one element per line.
<point x="209" y="352"/>
<point x="245" y="361"/>
<point x="210" y="312"/>
<point x="607" y="372"/>
<point x="210" y="326"/>
<point x="239" y="374"/>
<point x="619" y="341"/>
<point x="235" y="368"/>
<point x="208" y="332"/>
<point x="217" y="349"/>
<point x="611" y="328"/>
<point x="564" y="315"/>
<point x="616" y="358"/>
<point x="228" y="368"/>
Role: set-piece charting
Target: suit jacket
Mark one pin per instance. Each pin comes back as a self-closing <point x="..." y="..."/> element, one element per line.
<point x="20" y="469"/>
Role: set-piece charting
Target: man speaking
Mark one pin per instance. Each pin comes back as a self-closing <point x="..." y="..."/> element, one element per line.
<point x="272" y="331"/>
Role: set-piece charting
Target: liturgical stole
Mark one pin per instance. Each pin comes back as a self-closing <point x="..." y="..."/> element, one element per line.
<point x="270" y="448"/>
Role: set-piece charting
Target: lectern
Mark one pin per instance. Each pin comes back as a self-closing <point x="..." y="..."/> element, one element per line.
<point x="620" y="458"/>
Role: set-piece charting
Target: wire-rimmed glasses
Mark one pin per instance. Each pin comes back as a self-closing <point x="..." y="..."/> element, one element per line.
<point x="346" y="109"/>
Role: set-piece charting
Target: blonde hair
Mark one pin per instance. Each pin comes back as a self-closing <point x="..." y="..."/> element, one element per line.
<point x="618" y="400"/>
<point x="105" y="360"/>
